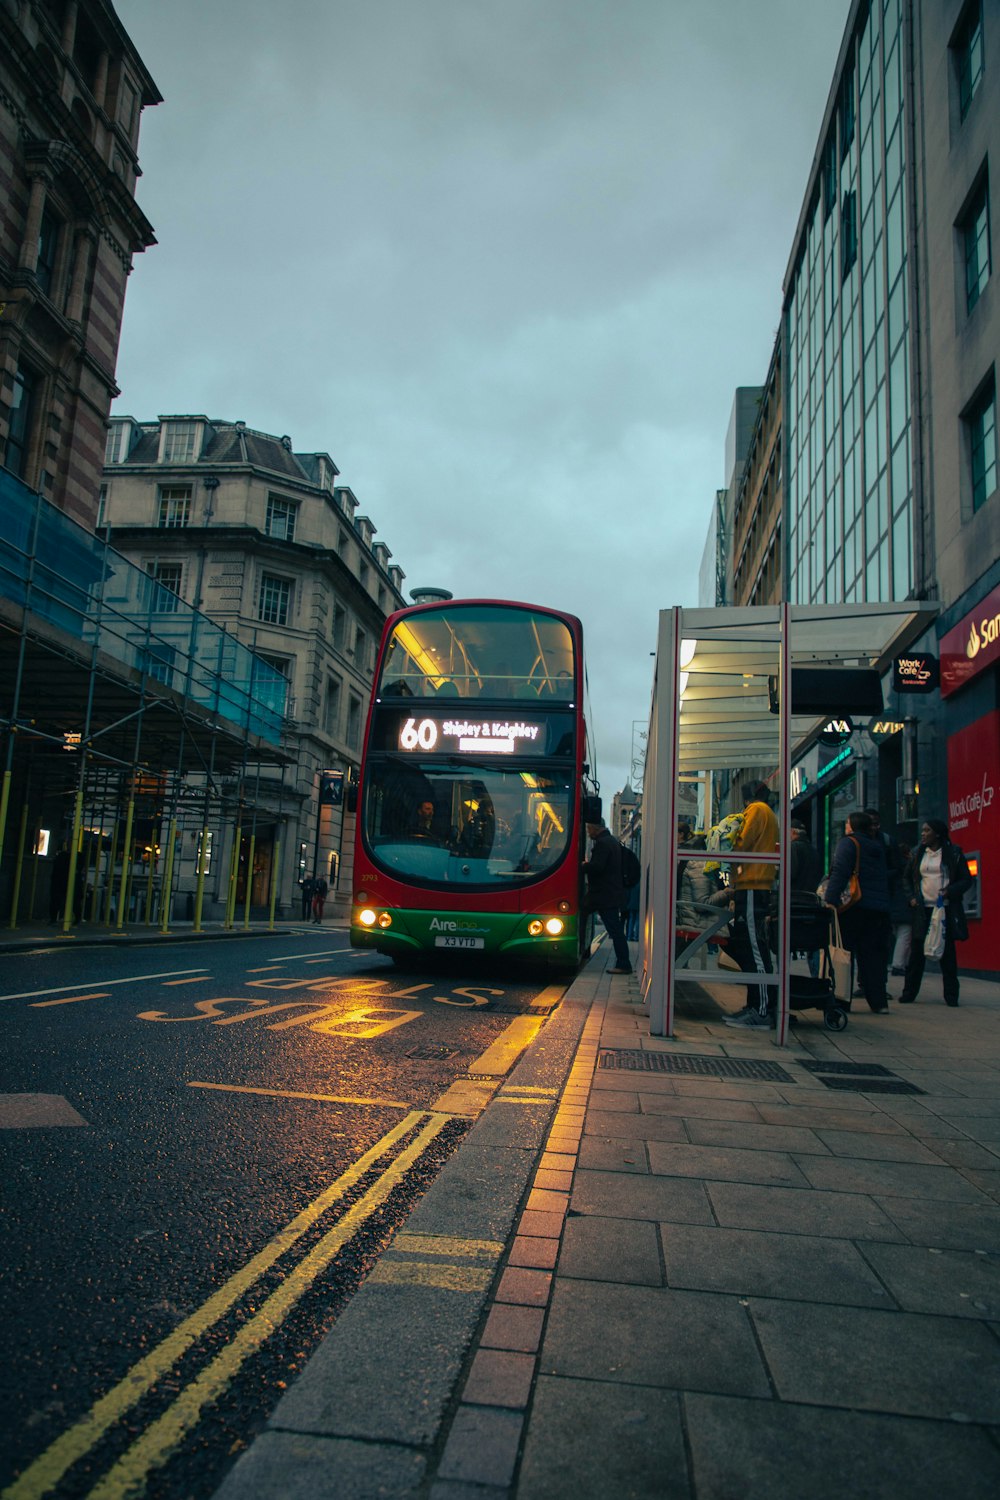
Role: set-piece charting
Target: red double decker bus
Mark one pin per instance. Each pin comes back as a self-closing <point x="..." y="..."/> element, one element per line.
<point x="474" y="785"/>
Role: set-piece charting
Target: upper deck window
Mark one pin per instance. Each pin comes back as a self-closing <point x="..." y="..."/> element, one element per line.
<point x="480" y="651"/>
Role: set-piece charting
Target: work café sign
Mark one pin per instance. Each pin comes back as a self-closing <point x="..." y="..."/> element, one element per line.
<point x="972" y="645"/>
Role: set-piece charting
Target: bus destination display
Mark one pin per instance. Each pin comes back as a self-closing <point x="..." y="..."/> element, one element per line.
<point x="548" y="734"/>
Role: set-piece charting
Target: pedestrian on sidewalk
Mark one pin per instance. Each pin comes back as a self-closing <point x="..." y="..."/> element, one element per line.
<point x="308" y="891"/>
<point x="320" y="889"/>
<point x="804" y="871"/>
<point x="894" y="866"/>
<point x="901" y="916"/>
<point x="865" y="926"/>
<point x="606" y="893"/>
<point x="752" y="887"/>
<point x="937" y="875"/>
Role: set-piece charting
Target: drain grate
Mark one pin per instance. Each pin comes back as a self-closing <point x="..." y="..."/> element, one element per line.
<point x="871" y="1085"/>
<point x="432" y="1052"/>
<point x="683" y="1062"/>
<point x="864" y="1070"/>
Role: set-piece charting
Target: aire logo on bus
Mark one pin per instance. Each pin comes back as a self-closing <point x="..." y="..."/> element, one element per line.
<point x="436" y="925"/>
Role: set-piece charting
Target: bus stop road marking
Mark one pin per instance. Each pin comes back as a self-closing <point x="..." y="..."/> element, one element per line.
<point x="237" y="1088"/>
<point x="158" y="1443"/>
<point x="467" y="1097"/>
<point x="70" y="999"/>
<point x="48" y="1469"/>
<point x="198" y="979"/>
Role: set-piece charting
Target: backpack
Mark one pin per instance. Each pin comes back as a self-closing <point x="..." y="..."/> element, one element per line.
<point x="631" y="868"/>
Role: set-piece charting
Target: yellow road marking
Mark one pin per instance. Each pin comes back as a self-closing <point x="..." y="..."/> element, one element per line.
<point x="446" y="1244"/>
<point x="548" y="997"/>
<point x="467" y="1096"/>
<point x="47" y="1470"/>
<point x="198" y="979"/>
<point x="70" y="1000"/>
<point x="236" y="1088"/>
<point x="501" y="1056"/>
<point x="159" y="1441"/>
<point x="432" y="1273"/>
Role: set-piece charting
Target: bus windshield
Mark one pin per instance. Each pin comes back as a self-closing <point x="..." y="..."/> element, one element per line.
<point x="482" y="651"/>
<point x="466" y="823"/>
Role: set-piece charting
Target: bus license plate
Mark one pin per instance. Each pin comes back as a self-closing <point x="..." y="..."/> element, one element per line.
<point x="458" y="942"/>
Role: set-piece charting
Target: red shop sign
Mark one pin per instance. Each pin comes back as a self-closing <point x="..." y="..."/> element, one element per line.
<point x="972" y="645"/>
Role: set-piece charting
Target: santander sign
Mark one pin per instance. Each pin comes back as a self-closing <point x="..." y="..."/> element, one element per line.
<point x="972" y="645"/>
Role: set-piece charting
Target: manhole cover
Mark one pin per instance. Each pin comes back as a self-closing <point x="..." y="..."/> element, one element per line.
<point x="432" y="1052"/>
<point x="684" y="1062"/>
<point x="870" y="1085"/>
<point x="863" y="1070"/>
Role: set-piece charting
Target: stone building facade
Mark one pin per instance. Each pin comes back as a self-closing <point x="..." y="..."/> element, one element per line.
<point x="72" y="88"/>
<point x="266" y="542"/>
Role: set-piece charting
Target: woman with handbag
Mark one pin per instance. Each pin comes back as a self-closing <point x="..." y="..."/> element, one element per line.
<point x="935" y="880"/>
<point x="858" y="890"/>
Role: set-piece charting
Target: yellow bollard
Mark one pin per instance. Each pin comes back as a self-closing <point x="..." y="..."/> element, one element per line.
<point x="200" y="891"/>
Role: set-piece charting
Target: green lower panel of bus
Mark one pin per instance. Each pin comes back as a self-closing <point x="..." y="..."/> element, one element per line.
<point x="509" y="934"/>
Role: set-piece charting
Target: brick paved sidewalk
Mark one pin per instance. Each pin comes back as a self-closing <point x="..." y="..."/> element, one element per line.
<point x="725" y="1286"/>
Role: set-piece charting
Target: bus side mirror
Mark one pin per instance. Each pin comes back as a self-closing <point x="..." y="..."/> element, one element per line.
<point x="591" y="809"/>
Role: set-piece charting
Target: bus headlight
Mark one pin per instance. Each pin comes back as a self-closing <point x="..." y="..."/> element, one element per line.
<point x="384" y="919"/>
<point x="535" y="927"/>
<point x="367" y="917"/>
<point x="554" y="926"/>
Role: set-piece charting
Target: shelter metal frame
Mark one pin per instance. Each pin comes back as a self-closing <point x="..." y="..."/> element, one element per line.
<point x="719" y="676"/>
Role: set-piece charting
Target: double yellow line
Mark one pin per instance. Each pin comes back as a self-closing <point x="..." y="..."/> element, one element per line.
<point x="161" y="1439"/>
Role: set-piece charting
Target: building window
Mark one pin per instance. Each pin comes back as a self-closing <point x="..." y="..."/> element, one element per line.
<point x="339" y="626"/>
<point x="848" y="233"/>
<point x="846" y="112"/>
<point x="280" y="521"/>
<point x="175" y="506"/>
<point x="22" y="413"/>
<point x="179" y="444"/>
<point x="48" y="248"/>
<point x="118" y="444"/>
<point x="981" y="422"/>
<point x="158" y="662"/>
<point x="331" y="707"/>
<point x="102" y="508"/>
<point x="168" y="578"/>
<point x="968" y="47"/>
<point x="274" y="601"/>
<point x="976" y="237"/>
<point x="361" y="649"/>
<point x="829" y="174"/>
<point x="353" y="721"/>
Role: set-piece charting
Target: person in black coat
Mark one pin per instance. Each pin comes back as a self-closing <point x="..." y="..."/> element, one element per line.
<point x="937" y="872"/>
<point x="605" y="891"/>
<point x="865" y="926"/>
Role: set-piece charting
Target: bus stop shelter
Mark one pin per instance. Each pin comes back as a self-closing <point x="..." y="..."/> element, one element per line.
<point x="738" y="695"/>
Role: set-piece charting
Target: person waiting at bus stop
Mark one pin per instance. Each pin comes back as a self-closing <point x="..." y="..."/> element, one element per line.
<point x="605" y="890"/>
<point x="751" y="887"/>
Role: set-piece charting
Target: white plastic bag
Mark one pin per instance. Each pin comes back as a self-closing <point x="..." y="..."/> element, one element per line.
<point x="934" y="940"/>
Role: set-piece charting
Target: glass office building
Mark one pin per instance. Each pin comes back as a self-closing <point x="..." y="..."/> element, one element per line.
<point x="848" y="414"/>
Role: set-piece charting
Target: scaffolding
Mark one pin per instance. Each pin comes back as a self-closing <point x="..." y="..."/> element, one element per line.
<point x="142" y="743"/>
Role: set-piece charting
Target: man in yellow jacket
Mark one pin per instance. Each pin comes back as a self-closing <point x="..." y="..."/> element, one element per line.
<point x="752" y="886"/>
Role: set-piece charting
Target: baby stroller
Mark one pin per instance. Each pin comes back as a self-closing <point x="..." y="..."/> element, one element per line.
<point x="811" y="924"/>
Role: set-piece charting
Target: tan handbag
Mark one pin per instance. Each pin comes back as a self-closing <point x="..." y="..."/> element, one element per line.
<point x="840" y="965"/>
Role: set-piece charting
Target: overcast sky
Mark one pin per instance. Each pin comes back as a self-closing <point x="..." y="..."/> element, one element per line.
<point x="505" y="260"/>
